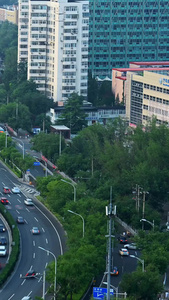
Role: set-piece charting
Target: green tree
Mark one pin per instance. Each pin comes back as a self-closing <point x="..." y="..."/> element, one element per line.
<point x="48" y="144"/>
<point x="106" y="96"/>
<point x="142" y="286"/>
<point x="73" y="115"/>
<point x="16" y="115"/>
<point x="92" y="90"/>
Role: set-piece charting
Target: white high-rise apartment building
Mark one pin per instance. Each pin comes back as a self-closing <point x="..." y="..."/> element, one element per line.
<point x="53" y="39"/>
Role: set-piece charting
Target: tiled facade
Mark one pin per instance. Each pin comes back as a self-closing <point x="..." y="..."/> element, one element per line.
<point x="127" y="30"/>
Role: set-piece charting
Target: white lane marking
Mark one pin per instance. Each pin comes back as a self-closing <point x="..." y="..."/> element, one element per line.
<point x="34" y="255"/>
<point x="43" y="229"/>
<point x="60" y="243"/>
<point x="40" y="279"/>
<point x="36" y="219"/>
<point x="19" y="200"/>
<point x="11" y="297"/>
<point x="46" y="265"/>
<point x="46" y="241"/>
<point x="33" y="243"/>
<point x="19" y="195"/>
<point x="27" y="209"/>
<point x="23" y="281"/>
<point x="26" y="221"/>
<point x="17" y="212"/>
<point x="3" y="183"/>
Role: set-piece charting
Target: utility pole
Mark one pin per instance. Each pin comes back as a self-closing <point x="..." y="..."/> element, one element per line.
<point x="110" y="212"/>
<point x="44" y="275"/>
<point x="144" y="201"/>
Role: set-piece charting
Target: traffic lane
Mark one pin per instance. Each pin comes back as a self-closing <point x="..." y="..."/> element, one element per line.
<point x="125" y="264"/>
<point x="8" y="177"/>
<point x="28" y="260"/>
<point x="36" y="261"/>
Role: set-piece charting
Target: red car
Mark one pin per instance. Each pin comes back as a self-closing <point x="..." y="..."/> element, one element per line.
<point x="115" y="271"/>
<point x="30" y="274"/>
<point x="6" y="190"/>
<point x="4" y="201"/>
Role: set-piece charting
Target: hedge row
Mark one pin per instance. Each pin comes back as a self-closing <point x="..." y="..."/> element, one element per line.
<point x="8" y="269"/>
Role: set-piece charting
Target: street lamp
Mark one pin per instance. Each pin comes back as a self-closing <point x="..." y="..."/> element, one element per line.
<point x="73" y="187"/>
<point x="49" y="252"/>
<point x="72" y="212"/>
<point x="141" y="260"/>
<point x="151" y="223"/>
<point x="22" y="145"/>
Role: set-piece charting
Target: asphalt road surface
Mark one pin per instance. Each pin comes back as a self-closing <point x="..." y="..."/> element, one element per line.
<point x="31" y="257"/>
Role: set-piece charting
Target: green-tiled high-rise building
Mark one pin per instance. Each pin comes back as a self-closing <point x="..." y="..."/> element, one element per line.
<point x="127" y="30"/>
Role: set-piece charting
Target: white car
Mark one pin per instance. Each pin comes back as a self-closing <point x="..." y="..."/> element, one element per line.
<point x="3" y="251"/>
<point x="15" y="190"/>
<point x="131" y="246"/>
<point x="28" y="202"/>
<point x="124" y="252"/>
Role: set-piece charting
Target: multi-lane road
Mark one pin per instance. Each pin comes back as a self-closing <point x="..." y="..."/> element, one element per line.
<point x="51" y="238"/>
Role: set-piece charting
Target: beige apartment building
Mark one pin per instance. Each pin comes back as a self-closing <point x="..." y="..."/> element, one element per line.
<point x="147" y="95"/>
<point x="10" y="14"/>
<point x="146" y="90"/>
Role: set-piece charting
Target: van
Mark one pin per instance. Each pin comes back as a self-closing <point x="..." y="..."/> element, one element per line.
<point x="3" y="251"/>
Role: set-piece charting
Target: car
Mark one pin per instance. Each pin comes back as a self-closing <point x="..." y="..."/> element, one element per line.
<point x="3" y="251"/>
<point x="122" y="240"/>
<point x="20" y="220"/>
<point x="35" y="230"/>
<point x="131" y="246"/>
<point x="3" y="240"/>
<point x="124" y="252"/>
<point x="15" y="190"/>
<point x="2" y="228"/>
<point x="115" y="271"/>
<point x="30" y="274"/>
<point x="28" y="202"/>
<point x="6" y="190"/>
<point x="4" y="201"/>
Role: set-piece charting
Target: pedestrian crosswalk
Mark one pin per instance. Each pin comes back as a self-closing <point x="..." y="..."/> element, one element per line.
<point x="28" y="189"/>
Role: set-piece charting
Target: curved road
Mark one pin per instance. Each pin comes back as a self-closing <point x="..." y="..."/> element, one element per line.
<point x="52" y="238"/>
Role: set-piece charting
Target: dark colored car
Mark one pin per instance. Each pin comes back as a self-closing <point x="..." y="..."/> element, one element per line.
<point x="2" y="228"/>
<point x="6" y="190"/>
<point x="20" y="220"/>
<point x="122" y="240"/>
<point x="3" y="240"/>
<point x="4" y="201"/>
<point x="30" y="274"/>
<point x="115" y="271"/>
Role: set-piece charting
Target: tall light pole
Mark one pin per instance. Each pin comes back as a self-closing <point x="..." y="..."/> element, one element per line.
<point x="23" y="146"/>
<point x="74" y="188"/>
<point x="72" y="212"/>
<point x="151" y="223"/>
<point x="49" y="252"/>
<point x="141" y="260"/>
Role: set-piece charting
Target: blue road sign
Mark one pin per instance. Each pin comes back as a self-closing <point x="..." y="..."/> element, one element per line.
<point x="100" y="293"/>
<point x="36" y="163"/>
